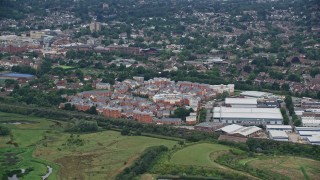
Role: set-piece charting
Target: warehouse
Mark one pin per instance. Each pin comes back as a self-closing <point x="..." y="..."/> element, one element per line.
<point x="247" y="116"/>
<point x="241" y="131"/>
<point x="306" y="134"/>
<point x="298" y="129"/>
<point x="278" y="135"/>
<point x="315" y="140"/>
<point x="241" y="102"/>
<point x="255" y="94"/>
<point x="285" y="128"/>
<point x="310" y="122"/>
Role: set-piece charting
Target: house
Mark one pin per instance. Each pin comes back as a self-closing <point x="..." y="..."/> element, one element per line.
<point x="143" y="117"/>
<point x="192" y="119"/>
<point x="103" y="86"/>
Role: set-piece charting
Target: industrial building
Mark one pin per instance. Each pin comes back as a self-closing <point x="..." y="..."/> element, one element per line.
<point x="255" y="94"/>
<point x="278" y="135"/>
<point x="237" y="130"/>
<point x="306" y="134"/>
<point x="241" y="102"/>
<point x="315" y="140"/>
<point x="248" y="116"/>
<point x="298" y="129"/>
<point x="310" y="121"/>
<point x="285" y="128"/>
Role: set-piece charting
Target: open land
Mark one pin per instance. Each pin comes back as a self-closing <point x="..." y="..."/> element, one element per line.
<point x="42" y="142"/>
<point x="37" y="142"/>
<point x="293" y="167"/>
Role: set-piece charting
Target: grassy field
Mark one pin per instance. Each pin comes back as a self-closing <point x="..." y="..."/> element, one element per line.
<point x="198" y="154"/>
<point x="38" y="142"/>
<point x="102" y="156"/>
<point x="292" y="167"/>
<point x="16" y="150"/>
<point x="65" y="67"/>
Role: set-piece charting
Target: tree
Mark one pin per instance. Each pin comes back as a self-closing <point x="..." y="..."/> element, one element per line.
<point x="9" y="82"/>
<point x="4" y="131"/>
<point x="92" y="110"/>
<point x="295" y="60"/>
<point x="125" y="131"/>
<point x="294" y="77"/>
<point x="181" y="112"/>
<point x="247" y="69"/>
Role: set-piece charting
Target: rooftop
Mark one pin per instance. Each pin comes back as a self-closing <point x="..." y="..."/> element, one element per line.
<point x="250" y="113"/>
<point x="278" y="126"/>
<point x="237" y="129"/>
<point x="314" y="139"/>
<point x="255" y="93"/>
<point x="278" y="134"/>
<point x="308" y="133"/>
<point x="230" y="128"/>
<point x="247" y="101"/>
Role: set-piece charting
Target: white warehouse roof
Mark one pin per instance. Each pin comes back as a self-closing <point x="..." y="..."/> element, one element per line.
<point x="307" y="129"/>
<point x="246" y="101"/>
<point x="255" y="94"/>
<point x="270" y="126"/>
<point x="278" y="134"/>
<point x="250" y="113"/>
<point x="246" y="131"/>
<point x="308" y="133"/>
<point x="237" y="129"/>
<point x="314" y="139"/>
<point x="230" y="128"/>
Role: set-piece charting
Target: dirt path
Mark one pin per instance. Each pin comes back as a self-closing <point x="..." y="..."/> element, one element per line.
<point x="129" y="163"/>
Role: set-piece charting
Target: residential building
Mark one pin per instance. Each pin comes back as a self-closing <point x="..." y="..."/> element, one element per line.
<point x="103" y="86"/>
<point x="192" y="119"/>
<point x="95" y="27"/>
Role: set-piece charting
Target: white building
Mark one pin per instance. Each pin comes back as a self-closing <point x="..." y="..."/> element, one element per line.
<point x="310" y="122"/>
<point x="298" y="129"/>
<point x="306" y="134"/>
<point x="278" y="135"/>
<point x="315" y="140"/>
<point x="192" y="119"/>
<point x="253" y="116"/>
<point x="238" y="130"/>
<point x="241" y="102"/>
<point x="255" y="94"/>
<point x="285" y="128"/>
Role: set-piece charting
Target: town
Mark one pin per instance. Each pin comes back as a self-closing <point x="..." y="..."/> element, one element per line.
<point x="159" y="89"/>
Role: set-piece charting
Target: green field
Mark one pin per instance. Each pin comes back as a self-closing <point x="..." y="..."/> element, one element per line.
<point x="37" y="142"/>
<point x="43" y="142"/>
<point x="198" y="154"/>
<point x="292" y="167"/>
<point x="65" y="67"/>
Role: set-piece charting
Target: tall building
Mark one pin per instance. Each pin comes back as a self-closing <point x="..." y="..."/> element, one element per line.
<point x="95" y="27"/>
